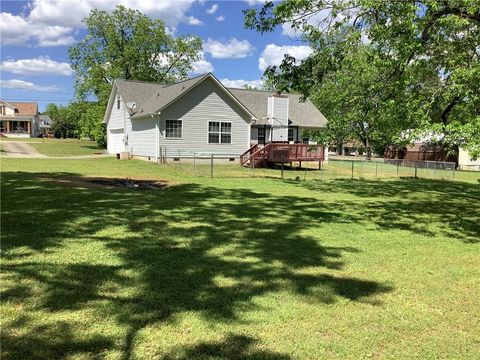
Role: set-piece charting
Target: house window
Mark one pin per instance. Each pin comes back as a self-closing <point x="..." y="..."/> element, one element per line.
<point x="219" y="132"/>
<point x="305" y="140"/>
<point x="118" y="101"/>
<point x="290" y="134"/>
<point x="2" y="110"/>
<point x="173" y="129"/>
<point x="261" y="135"/>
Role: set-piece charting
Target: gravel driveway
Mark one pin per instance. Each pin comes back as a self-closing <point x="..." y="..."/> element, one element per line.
<point x="18" y="149"/>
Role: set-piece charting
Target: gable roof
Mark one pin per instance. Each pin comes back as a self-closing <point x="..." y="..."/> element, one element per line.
<point x="300" y="113"/>
<point x="26" y="108"/>
<point x="164" y="96"/>
<point x="150" y="98"/>
<point x="23" y="108"/>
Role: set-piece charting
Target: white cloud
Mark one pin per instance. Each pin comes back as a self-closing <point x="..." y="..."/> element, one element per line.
<point x="220" y="18"/>
<point x="61" y="12"/>
<point x="26" y="85"/>
<point x="202" y="66"/>
<point x="17" y="30"/>
<point x="212" y="10"/>
<point x="37" y="66"/>
<point x="193" y="21"/>
<point x="274" y="54"/>
<point x="255" y="2"/>
<point x="241" y="83"/>
<point x="232" y="49"/>
<point x="53" y="22"/>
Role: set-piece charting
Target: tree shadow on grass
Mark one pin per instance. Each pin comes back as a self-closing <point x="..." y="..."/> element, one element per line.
<point x="192" y="248"/>
<point x="234" y="347"/>
<point x="413" y="205"/>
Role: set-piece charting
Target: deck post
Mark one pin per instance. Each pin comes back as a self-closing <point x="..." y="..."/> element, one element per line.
<point x="194" y="165"/>
<point x="300" y="164"/>
<point x="160" y="159"/>
<point x="320" y="165"/>
<point x="211" y="166"/>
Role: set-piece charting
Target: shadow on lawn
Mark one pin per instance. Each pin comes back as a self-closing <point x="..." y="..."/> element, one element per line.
<point x="189" y="247"/>
<point x="413" y="205"/>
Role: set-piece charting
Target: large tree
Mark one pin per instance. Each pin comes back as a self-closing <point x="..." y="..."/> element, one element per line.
<point x="425" y="62"/>
<point x="127" y="44"/>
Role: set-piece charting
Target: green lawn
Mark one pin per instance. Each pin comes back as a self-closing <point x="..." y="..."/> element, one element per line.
<point x="66" y="147"/>
<point x="235" y="268"/>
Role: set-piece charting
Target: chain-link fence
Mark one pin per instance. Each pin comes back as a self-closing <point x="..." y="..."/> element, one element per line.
<point x="228" y="166"/>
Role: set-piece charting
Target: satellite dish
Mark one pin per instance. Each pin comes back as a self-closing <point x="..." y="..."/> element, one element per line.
<point x="131" y="105"/>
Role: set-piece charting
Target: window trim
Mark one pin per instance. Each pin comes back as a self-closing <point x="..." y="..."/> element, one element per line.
<point x="219" y="132"/>
<point x="173" y="138"/>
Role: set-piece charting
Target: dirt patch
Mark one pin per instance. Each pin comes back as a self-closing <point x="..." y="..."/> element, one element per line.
<point x="128" y="183"/>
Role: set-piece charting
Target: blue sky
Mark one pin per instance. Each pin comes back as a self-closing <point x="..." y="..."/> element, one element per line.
<point x="36" y="36"/>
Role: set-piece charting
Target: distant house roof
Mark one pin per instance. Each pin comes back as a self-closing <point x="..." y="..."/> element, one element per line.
<point x="23" y="108"/>
<point x="150" y="98"/>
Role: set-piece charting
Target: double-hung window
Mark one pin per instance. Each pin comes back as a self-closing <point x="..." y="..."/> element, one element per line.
<point x="261" y="135"/>
<point x="291" y="133"/>
<point x="173" y="129"/>
<point x="219" y="132"/>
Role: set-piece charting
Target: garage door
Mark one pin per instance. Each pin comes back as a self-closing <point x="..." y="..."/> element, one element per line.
<point x="115" y="141"/>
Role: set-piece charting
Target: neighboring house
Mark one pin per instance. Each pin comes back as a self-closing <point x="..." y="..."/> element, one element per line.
<point x="201" y="116"/>
<point x="423" y="151"/>
<point x="21" y="119"/>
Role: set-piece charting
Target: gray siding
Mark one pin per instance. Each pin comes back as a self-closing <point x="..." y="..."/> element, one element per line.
<point x="141" y="136"/>
<point x="115" y="121"/>
<point x="206" y="102"/>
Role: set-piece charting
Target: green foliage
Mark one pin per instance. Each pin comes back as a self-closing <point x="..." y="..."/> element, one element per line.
<point x="422" y="71"/>
<point x="79" y="119"/>
<point x="127" y="44"/>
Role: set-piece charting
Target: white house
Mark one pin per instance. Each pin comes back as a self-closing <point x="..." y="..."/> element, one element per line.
<point x="200" y="115"/>
<point x="21" y="119"/>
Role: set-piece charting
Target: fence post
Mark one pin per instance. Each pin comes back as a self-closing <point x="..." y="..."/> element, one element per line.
<point x="376" y="169"/>
<point x="282" y="170"/>
<point x="352" y="169"/>
<point x="160" y="160"/>
<point x="415" y="169"/>
<point x="253" y="167"/>
<point x="194" y="165"/>
<point x="211" y="166"/>
<point x="434" y="170"/>
<point x="398" y="167"/>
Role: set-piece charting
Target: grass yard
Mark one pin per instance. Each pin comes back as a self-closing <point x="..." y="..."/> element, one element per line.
<point x="235" y="268"/>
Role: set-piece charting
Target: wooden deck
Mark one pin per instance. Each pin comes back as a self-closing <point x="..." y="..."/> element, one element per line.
<point x="281" y="153"/>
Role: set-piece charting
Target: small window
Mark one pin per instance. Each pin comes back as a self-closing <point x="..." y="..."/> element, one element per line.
<point x="173" y="129"/>
<point x="118" y="101"/>
<point x="291" y="132"/>
<point x="305" y="140"/>
<point x="219" y="132"/>
<point x="261" y="135"/>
